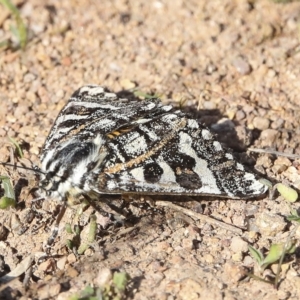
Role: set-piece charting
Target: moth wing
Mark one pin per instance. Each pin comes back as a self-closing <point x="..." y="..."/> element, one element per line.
<point x="173" y="154"/>
<point x="93" y="110"/>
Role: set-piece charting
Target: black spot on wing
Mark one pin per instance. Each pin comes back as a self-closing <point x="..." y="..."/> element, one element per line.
<point x="189" y="180"/>
<point x="176" y="159"/>
<point x="152" y="172"/>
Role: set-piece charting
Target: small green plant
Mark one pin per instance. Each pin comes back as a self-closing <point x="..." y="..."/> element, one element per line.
<point x="140" y="94"/>
<point x="91" y="235"/>
<point x="9" y="198"/>
<point x="18" y="150"/>
<point x="113" y="290"/>
<point x="276" y="253"/>
<point x="294" y="216"/>
<point x="20" y="30"/>
<point x="287" y="192"/>
<point x="82" y="244"/>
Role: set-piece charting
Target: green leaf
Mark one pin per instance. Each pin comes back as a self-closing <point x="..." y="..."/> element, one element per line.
<point x="141" y="94"/>
<point x="9" y="198"/>
<point x="256" y="254"/>
<point x="92" y="229"/>
<point x="21" y="29"/>
<point x="69" y="244"/>
<point x="287" y="192"/>
<point x="18" y="148"/>
<point x="82" y="248"/>
<point x="88" y="291"/>
<point x="293" y="218"/>
<point x="77" y="229"/>
<point x="276" y="251"/>
<point x="120" y="280"/>
<point x="9" y="191"/>
<point x="6" y="202"/>
<point x="266" y="182"/>
<point x="68" y="228"/>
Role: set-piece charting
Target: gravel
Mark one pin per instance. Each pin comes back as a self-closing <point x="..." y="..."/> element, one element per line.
<point x="233" y="64"/>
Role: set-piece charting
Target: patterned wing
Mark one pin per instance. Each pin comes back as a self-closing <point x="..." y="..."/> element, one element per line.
<point x="93" y="110"/>
<point x="173" y="154"/>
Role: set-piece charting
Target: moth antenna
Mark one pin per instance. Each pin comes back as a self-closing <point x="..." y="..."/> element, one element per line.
<point x="37" y="170"/>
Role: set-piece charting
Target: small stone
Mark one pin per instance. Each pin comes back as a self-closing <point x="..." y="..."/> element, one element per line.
<point x="209" y="105"/>
<point x="240" y="115"/>
<point x="104" y="277"/>
<point x="187" y="243"/>
<point x="231" y="112"/>
<point x="29" y="77"/>
<point x="283" y="161"/>
<point x="211" y="68"/>
<point x="268" y="137"/>
<point x="127" y="84"/>
<point x="251" y="209"/>
<point x="261" y="123"/>
<point x="71" y="272"/>
<point x="278" y="123"/>
<point x="241" y="65"/>
<point x="186" y="71"/>
<point x="283" y="268"/>
<point x="238" y="245"/>
<point x="278" y="169"/>
<point x="163" y="246"/>
<point x="190" y="289"/>
<point x="283" y="295"/>
<point x="71" y="258"/>
<point x="292" y="174"/>
<point x="46" y="266"/>
<point x="269" y="224"/>
<point x="209" y="258"/>
<point x="237" y="257"/>
<point x="66" y="61"/>
<point x="61" y="263"/>
<point x="47" y="292"/>
<point x="89" y="252"/>
<point x="248" y="261"/>
<point x="60" y="94"/>
<point x="233" y="273"/>
<point x="264" y="161"/>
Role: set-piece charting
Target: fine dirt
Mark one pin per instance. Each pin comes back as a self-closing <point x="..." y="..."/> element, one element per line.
<point x="233" y="64"/>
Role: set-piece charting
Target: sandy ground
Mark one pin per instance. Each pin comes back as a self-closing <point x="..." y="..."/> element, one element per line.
<point x="233" y="64"/>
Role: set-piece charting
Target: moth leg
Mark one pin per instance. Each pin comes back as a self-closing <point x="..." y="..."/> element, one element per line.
<point x="117" y="217"/>
<point x="55" y="228"/>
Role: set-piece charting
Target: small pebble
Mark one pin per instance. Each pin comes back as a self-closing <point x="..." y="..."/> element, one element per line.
<point x="238" y="244"/>
<point x="61" y="263"/>
<point x="233" y="273"/>
<point x="261" y="123"/>
<point x="268" y="137"/>
<point x="29" y="77"/>
<point x="269" y="224"/>
<point x="48" y="291"/>
<point x="240" y="115"/>
<point x="127" y="84"/>
<point x="104" y="277"/>
<point x="248" y="261"/>
<point x="241" y="65"/>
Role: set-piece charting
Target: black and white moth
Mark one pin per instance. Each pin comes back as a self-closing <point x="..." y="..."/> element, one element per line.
<point x="102" y="143"/>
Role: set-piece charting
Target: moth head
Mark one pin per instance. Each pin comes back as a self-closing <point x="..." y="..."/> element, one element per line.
<point x="49" y="186"/>
<point x="66" y="166"/>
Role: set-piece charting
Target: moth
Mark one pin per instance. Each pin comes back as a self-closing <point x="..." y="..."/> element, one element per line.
<point x="102" y="143"/>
